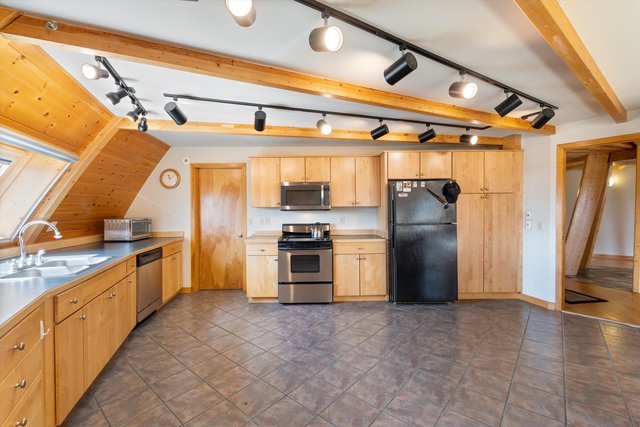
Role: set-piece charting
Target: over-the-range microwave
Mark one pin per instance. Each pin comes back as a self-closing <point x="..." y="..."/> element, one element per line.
<point x="305" y="196"/>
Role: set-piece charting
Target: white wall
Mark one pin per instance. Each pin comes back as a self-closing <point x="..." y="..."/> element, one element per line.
<point x="615" y="236"/>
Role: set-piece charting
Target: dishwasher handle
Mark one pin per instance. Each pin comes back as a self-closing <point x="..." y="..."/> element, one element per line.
<point x="148" y="257"/>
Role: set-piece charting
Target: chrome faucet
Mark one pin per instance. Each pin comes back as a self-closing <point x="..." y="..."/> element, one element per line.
<point x="23" y="251"/>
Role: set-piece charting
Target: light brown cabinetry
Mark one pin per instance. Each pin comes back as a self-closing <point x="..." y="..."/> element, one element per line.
<point x="292" y="169"/>
<point x="317" y="169"/>
<point x="487" y="171"/>
<point x="265" y="182"/>
<point x="419" y="165"/>
<point x="359" y="269"/>
<point x="355" y="181"/>
<point x="171" y="275"/>
<point x="305" y="169"/>
<point x="262" y="269"/>
<point x="69" y="349"/>
<point x="435" y="165"/>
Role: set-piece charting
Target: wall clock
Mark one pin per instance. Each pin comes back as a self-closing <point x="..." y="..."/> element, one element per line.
<point x="169" y="178"/>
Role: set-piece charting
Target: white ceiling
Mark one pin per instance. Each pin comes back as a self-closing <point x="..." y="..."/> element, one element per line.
<point x="491" y="36"/>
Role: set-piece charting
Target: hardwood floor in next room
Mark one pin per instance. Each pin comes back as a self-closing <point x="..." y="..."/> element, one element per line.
<point x="210" y="358"/>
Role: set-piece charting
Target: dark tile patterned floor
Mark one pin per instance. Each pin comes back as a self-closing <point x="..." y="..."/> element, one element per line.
<point x="211" y="359"/>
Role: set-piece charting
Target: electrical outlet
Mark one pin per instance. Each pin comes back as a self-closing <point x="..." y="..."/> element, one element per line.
<point x="527" y="224"/>
<point x="343" y="220"/>
<point x="527" y="215"/>
<point x="250" y="221"/>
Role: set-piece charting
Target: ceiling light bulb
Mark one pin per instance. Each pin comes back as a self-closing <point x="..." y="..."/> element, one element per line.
<point x="93" y="72"/>
<point x="142" y="126"/>
<point x="324" y="127"/>
<point x="612" y="181"/>
<point x="326" y="38"/>
<point x="115" y="97"/>
<point x="242" y="11"/>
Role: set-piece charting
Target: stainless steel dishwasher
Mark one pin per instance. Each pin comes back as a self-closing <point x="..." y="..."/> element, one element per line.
<point x="149" y="292"/>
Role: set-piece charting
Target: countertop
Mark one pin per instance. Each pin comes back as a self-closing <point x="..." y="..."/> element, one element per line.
<point x="356" y="237"/>
<point x="16" y="296"/>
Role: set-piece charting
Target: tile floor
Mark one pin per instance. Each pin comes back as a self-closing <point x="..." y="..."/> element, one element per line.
<point x="211" y="359"/>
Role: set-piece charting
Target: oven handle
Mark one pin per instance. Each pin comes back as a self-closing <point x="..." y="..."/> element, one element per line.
<point x="304" y="249"/>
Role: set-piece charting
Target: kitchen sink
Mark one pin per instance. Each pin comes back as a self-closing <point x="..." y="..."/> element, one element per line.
<point x="74" y="260"/>
<point x="55" y="266"/>
<point x="45" y="272"/>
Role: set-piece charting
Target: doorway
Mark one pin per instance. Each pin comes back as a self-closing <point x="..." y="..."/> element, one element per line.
<point x="218" y="225"/>
<point x="597" y="244"/>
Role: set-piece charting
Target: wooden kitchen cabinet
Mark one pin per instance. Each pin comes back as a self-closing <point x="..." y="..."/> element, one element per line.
<point x="69" y="364"/>
<point x="265" y="182"/>
<point x="373" y="274"/>
<point x="292" y="169"/>
<point x="99" y="323"/>
<point x="435" y="165"/>
<point x="262" y="276"/>
<point x="346" y="275"/>
<point x="317" y="169"/>
<point x="171" y="275"/>
<point x="470" y="217"/>
<point x="367" y="181"/>
<point x="488" y="171"/>
<point x="468" y="171"/>
<point x="355" y="181"/>
<point x="359" y="269"/>
<point x="126" y="310"/>
<point x="403" y="165"/>
<point x="501" y="227"/>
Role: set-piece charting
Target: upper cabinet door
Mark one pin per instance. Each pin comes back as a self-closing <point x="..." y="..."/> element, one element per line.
<point x="343" y="182"/>
<point x="468" y="171"/>
<point x="265" y="182"/>
<point x="318" y="169"/>
<point x="292" y="169"/>
<point x="403" y="165"/>
<point x="367" y="181"/>
<point x="435" y="164"/>
<point x="502" y="171"/>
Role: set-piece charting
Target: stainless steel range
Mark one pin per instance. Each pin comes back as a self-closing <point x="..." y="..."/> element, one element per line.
<point x="305" y="264"/>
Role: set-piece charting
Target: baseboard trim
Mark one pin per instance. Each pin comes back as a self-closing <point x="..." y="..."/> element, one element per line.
<point x="604" y="256"/>
<point x="537" y="301"/>
<point x="262" y="300"/>
<point x="488" y="295"/>
<point x="184" y="291"/>
<point x="360" y="298"/>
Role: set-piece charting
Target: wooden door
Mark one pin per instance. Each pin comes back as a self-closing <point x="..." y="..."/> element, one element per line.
<point x="501" y="226"/>
<point x="125" y="308"/>
<point x="468" y="171"/>
<point x="367" y="181"/>
<point x="98" y="335"/>
<point x="346" y="275"/>
<point x="171" y="275"/>
<point x="373" y="274"/>
<point x="318" y="169"/>
<point x="435" y="164"/>
<point x="69" y="363"/>
<point x="343" y="182"/>
<point x="262" y="276"/>
<point x="501" y="171"/>
<point x="265" y="182"/>
<point x="470" y="214"/>
<point x="292" y="169"/>
<point x="221" y="196"/>
<point x="403" y="165"/>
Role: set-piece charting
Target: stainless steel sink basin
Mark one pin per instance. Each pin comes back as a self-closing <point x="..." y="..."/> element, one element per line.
<point x="55" y="266"/>
<point x="45" y="272"/>
<point x="74" y="260"/>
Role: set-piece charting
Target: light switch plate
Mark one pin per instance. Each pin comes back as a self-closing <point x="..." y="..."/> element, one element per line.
<point x="527" y="215"/>
<point x="527" y="224"/>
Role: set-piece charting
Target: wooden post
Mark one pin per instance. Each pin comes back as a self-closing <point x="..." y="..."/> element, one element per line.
<point x="597" y="219"/>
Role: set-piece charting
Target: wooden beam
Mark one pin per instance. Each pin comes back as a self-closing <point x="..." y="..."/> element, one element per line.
<point x="554" y="25"/>
<point x="512" y="142"/>
<point x="595" y="172"/>
<point x="7" y="16"/>
<point x="298" y="132"/>
<point x="630" y="137"/>
<point x="620" y="156"/>
<point x="196" y="61"/>
<point x="597" y="219"/>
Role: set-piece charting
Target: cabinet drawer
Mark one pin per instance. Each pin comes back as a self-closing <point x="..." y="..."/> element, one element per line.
<point x="131" y="265"/>
<point x="262" y="249"/>
<point x="18" y="342"/>
<point x="171" y="249"/>
<point x="359" y="248"/>
<point x="30" y="409"/>
<point x="70" y="301"/>
<point x="20" y="381"/>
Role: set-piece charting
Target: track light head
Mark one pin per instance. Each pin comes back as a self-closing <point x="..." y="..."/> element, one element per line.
<point x="467" y="138"/>
<point x="401" y="68"/>
<point x="508" y="105"/>
<point x="260" y="120"/>
<point x="142" y="126"/>
<point x="462" y="89"/>
<point x="242" y="11"/>
<point x="324" y="126"/>
<point x="327" y="38"/>
<point x="175" y="113"/>
<point x="427" y="135"/>
<point x="116" y="96"/>
<point x="380" y="131"/>
<point x="94" y="72"/>
<point x="134" y="114"/>
<point x="542" y="118"/>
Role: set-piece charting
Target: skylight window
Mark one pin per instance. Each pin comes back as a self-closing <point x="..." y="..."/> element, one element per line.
<point x="4" y="165"/>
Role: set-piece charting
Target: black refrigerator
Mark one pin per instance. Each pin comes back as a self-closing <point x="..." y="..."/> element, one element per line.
<point x="423" y="248"/>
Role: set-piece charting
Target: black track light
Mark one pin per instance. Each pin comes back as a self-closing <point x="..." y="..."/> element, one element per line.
<point x="260" y="120"/>
<point x="135" y="113"/>
<point x="467" y="138"/>
<point x="508" y="105"/>
<point x="242" y="11"/>
<point x="380" y="131"/>
<point x="401" y="68"/>
<point x="142" y="126"/>
<point x="115" y="97"/>
<point x="175" y="113"/>
<point x="542" y="118"/>
<point x="427" y="135"/>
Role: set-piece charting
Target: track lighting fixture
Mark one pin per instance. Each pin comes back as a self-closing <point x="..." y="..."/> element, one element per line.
<point x="542" y="118"/>
<point x="508" y="105"/>
<point x="135" y="113"/>
<point x="380" y="131"/>
<point x="175" y="113"/>
<point x="94" y="72"/>
<point x="142" y="126"/>
<point x="401" y="68"/>
<point x="427" y="135"/>
<point x="467" y="138"/>
<point x="462" y="89"/>
<point x="324" y="126"/>
<point x="242" y="11"/>
<point x="260" y="120"/>
<point x="115" y="97"/>
<point x="327" y="38"/>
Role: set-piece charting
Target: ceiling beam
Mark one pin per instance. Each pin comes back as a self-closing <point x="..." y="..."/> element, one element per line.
<point x="299" y="132"/>
<point x="620" y="156"/>
<point x="103" y="42"/>
<point x="7" y="16"/>
<point x="554" y="25"/>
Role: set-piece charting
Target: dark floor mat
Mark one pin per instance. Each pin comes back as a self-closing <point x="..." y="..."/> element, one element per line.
<point x="573" y="297"/>
<point x="609" y="277"/>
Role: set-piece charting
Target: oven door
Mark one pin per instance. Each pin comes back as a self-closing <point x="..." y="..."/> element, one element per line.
<point x="305" y="266"/>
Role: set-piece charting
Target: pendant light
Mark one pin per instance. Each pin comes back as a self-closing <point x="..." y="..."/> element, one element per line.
<point x="327" y="38"/>
<point x="401" y="68"/>
<point x="324" y="126"/>
<point x="175" y="113"/>
<point x="508" y="105"/>
<point x="427" y="135"/>
<point x="94" y="72"/>
<point x="242" y="11"/>
<point x="259" y="120"/>
<point x="467" y="138"/>
<point x="462" y="89"/>
<point x="142" y="126"/>
<point x="380" y="131"/>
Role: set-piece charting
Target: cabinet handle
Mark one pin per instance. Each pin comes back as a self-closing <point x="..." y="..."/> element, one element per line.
<point x="360" y="249"/>
<point x="21" y="384"/>
<point x="278" y="203"/>
<point x="84" y="316"/>
<point x="173" y="259"/>
<point x="261" y="250"/>
<point x="361" y="258"/>
<point x="42" y="331"/>
<point x="132" y="265"/>
<point x="357" y="203"/>
<point x="74" y="301"/>
<point x="275" y="259"/>
<point x="486" y="188"/>
<point x="19" y="346"/>
<point x="22" y="422"/>
<point x="417" y="174"/>
<point x="482" y="197"/>
<point x="486" y="196"/>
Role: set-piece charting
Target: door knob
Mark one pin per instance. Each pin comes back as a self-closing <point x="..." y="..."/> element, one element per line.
<point x="240" y="235"/>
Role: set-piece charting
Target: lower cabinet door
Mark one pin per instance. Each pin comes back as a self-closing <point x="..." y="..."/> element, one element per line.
<point x="346" y="275"/>
<point x="171" y="276"/>
<point x="98" y="334"/>
<point x="470" y="215"/>
<point x="373" y="274"/>
<point x="262" y="276"/>
<point x="125" y="301"/>
<point x="500" y="243"/>
<point x="69" y="363"/>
